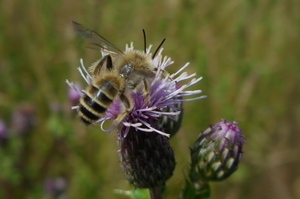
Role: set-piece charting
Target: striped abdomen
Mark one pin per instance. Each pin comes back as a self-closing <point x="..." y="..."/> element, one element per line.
<point x="98" y="98"/>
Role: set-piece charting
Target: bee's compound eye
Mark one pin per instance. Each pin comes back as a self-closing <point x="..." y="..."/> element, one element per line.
<point x="126" y="69"/>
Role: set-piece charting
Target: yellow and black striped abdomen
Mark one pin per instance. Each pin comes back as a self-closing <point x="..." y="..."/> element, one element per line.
<point x="97" y="99"/>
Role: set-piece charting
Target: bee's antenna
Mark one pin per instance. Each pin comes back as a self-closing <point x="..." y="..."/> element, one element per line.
<point x="144" y="33"/>
<point x="158" y="48"/>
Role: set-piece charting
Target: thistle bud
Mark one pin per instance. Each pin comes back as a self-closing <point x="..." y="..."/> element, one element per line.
<point x="217" y="152"/>
<point x="146" y="158"/>
<point x="171" y="124"/>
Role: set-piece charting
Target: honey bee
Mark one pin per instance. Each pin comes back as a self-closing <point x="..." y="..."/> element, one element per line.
<point x="113" y="76"/>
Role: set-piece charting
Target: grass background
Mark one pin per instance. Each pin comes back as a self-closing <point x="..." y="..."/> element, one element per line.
<point x="247" y="51"/>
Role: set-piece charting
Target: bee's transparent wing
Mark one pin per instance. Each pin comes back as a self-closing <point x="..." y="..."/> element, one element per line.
<point x="94" y="40"/>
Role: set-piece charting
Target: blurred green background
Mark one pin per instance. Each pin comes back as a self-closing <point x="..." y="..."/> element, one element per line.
<point x="247" y="51"/>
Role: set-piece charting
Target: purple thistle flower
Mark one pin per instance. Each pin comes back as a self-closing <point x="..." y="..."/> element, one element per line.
<point x="164" y="100"/>
<point x="217" y="152"/>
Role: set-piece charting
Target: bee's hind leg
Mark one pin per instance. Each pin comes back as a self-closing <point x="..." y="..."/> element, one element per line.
<point x="146" y="91"/>
<point x="127" y="104"/>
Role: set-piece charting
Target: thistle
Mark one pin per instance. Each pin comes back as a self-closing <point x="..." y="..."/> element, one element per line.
<point x="216" y="152"/>
<point x="146" y="156"/>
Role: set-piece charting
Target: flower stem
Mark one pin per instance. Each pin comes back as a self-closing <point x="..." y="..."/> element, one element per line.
<point x="155" y="193"/>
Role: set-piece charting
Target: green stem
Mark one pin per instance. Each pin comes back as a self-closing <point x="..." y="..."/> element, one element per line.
<point x="155" y="193"/>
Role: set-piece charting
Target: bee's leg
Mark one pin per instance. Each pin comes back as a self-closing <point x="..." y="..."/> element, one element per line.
<point x="125" y="99"/>
<point x="105" y="61"/>
<point x="146" y="91"/>
<point x="128" y="105"/>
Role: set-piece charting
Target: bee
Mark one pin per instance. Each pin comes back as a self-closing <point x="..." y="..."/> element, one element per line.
<point x="114" y="75"/>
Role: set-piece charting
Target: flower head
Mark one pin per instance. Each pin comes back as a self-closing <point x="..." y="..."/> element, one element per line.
<point x="217" y="152"/>
<point x="161" y="105"/>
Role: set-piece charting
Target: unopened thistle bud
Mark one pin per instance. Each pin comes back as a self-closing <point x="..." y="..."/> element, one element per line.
<point x="146" y="158"/>
<point x="217" y="152"/>
<point x="171" y="125"/>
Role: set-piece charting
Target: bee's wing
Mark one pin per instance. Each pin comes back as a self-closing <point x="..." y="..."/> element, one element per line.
<point x="94" y="40"/>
